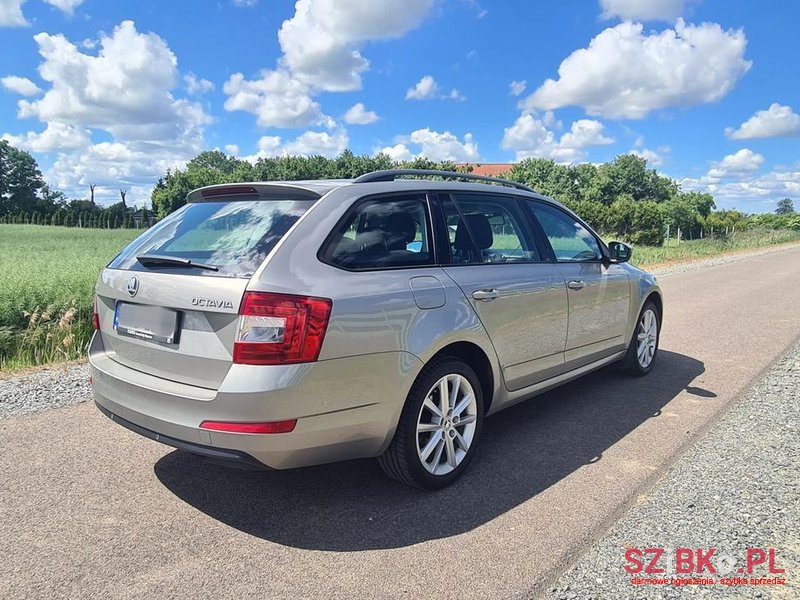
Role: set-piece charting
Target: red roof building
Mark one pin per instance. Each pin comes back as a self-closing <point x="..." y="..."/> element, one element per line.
<point x="488" y="169"/>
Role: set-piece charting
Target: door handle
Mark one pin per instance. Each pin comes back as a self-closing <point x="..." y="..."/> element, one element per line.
<point x="485" y="295"/>
<point x="576" y="284"/>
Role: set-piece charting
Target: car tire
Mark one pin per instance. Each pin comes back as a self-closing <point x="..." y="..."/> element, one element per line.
<point x="428" y="448"/>
<point x="643" y="349"/>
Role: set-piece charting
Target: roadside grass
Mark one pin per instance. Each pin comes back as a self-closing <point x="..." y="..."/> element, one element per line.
<point x="694" y="249"/>
<point x="47" y="277"/>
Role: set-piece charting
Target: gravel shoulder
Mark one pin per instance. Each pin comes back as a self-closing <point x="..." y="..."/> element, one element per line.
<point x="41" y="389"/>
<point x="738" y="488"/>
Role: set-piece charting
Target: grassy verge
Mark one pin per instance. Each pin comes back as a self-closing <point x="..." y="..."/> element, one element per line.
<point x="47" y="277"/>
<point x="692" y="250"/>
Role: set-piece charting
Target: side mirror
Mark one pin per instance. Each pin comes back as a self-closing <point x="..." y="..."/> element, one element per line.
<point x="620" y="252"/>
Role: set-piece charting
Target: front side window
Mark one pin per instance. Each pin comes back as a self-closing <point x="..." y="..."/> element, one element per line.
<point x="382" y="233"/>
<point x="571" y="241"/>
<point x="487" y="229"/>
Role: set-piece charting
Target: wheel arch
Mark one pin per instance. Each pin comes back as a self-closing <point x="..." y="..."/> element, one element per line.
<point x="476" y="358"/>
<point x="655" y="297"/>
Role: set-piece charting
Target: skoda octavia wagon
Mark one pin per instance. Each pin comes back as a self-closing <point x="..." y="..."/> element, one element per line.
<point x="286" y="324"/>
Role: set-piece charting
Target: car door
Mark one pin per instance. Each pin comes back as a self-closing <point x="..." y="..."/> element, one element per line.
<point x="520" y="298"/>
<point x="598" y="291"/>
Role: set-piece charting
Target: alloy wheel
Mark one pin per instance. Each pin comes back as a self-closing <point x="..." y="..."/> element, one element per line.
<point x="446" y="424"/>
<point x="647" y="338"/>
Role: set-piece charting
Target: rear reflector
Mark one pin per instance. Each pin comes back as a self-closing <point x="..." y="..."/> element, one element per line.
<point x="95" y="315"/>
<point x="280" y="329"/>
<point x="272" y="427"/>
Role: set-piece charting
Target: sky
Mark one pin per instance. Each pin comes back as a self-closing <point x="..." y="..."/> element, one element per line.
<point x="115" y="93"/>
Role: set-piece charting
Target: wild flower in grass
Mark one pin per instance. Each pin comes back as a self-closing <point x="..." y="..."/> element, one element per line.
<point x="51" y="334"/>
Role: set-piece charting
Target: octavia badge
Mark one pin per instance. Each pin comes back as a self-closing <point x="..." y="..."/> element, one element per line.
<point x="133" y="286"/>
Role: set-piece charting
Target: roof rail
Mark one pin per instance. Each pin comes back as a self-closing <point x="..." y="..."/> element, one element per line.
<point x="392" y="174"/>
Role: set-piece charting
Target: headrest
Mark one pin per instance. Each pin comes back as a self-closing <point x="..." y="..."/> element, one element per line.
<point x="480" y="229"/>
<point x="402" y="225"/>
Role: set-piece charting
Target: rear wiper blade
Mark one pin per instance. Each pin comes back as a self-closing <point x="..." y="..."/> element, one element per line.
<point x="161" y="259"/>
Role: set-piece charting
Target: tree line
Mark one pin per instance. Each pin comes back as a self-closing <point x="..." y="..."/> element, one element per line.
<point x="26" y="199"/>
<point x="622" y="198"/>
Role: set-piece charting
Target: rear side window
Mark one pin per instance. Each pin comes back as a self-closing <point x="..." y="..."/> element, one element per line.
<point x="487" y="229"/>
<point x="235" y="237"/>
<point x="382" y="233"/>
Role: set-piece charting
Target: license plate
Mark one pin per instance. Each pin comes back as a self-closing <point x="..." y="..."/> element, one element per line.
<point x="151" y="323"/>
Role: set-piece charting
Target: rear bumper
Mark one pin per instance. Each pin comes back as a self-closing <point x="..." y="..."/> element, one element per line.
<point x="345" y="408"/>
<point x="234" y="458"/>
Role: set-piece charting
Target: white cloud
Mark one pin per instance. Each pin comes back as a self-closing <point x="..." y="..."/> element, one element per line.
<point x="398" y="152"/>
<point x="476" y="7"/>
<point x="749" y="191"/>
<point x="626" y="74"/>
<point x="113" y="166"/>
<point x="530" y="136"/>
<point x="124" y="89"/>
<point x="56" y="136"/>
<point x="742" y="162"/>
<point x="197" y="86"/>
<point x="321" y="52"/>
<point x="515" y="88"/>
<point x="313" y="143"/>
<point x="20" y="85"/>
<point x="426" y="89"/>
<point x="643" y="10"/>
<point x="735" y="179"/>
<point x="309" y="143"/>
<point x="268" y="146"/>
<point x="321" y="41"/>
<point x="584" y="133"/>
<point x="776" y="121"/>
<point x="434" y="145"/>
<point x="66" y="6"/>
<point x="654" y="158"/>
<point x="277" y="99"/>
<point x="359" y="115"/>
<point x="456" y="95"/>
<point x="232" y="149"/>
<point x="244" y="3"/>
<point x="11" y="13"/>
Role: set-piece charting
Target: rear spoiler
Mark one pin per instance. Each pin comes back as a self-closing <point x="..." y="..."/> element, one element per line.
<point x="251" y="191"/>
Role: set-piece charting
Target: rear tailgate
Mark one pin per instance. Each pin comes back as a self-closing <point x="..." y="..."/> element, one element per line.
<point x="169" y="302"/>
<point x="206" y="319"/>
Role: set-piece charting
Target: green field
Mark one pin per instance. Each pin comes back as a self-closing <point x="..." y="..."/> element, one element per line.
<point x="47" y="276"/>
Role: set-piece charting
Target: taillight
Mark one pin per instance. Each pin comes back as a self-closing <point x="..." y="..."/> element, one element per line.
<point x="279" y="329"/>
<point x="270" y="427"/>
<point x="95" y="315"/>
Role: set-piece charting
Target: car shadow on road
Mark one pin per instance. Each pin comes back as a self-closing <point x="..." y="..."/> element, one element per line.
<point x="353" y="506"/>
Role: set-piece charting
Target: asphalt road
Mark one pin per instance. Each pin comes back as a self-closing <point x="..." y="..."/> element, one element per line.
<point x="88" y="509"/>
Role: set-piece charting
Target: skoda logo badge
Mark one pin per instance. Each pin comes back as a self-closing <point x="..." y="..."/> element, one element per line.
<point x="133" y="286"/>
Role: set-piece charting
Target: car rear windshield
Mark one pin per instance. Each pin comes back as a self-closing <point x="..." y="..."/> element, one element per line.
<point x="231" y="237"/>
